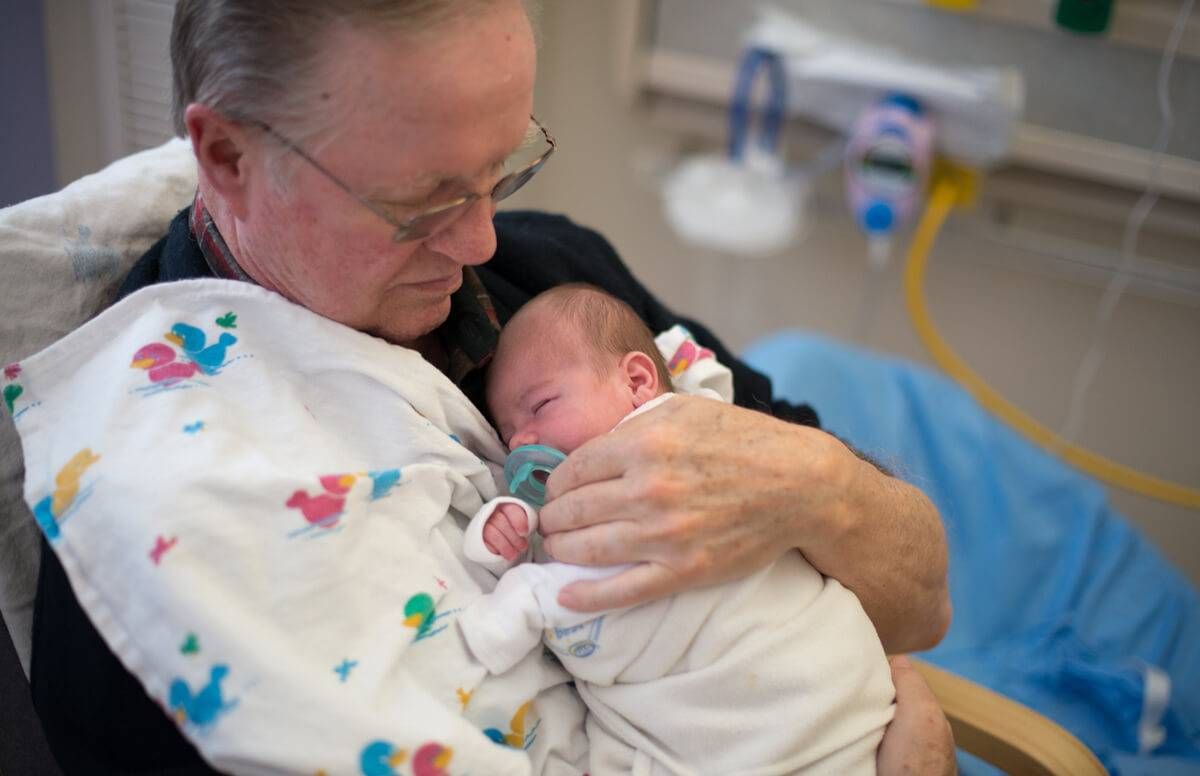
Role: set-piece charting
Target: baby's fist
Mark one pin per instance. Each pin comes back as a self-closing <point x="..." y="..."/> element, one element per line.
<point x="505" y="531"/>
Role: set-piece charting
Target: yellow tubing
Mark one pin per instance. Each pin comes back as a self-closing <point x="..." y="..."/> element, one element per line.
<point x="950" y="189"/>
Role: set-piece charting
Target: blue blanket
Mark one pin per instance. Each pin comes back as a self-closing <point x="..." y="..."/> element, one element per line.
<point x="1058" y="602"/>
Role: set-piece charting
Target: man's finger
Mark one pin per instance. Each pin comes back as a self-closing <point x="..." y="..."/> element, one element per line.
<point x="908" y="680"/>
<point x="643" y="582"/>
<point x="608" y="544"/>
<point x="594" y="503"/>
<point x="918" y="739"/>
<point x="599" y="459"/>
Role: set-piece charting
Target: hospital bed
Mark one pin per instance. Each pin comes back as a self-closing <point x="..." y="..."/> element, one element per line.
<point x="1058" y="602"/>
<point x="63" y="255"/>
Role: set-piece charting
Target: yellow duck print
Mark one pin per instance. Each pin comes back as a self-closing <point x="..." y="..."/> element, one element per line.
<point x="517" y="737"/>
<point x="67" y="481"/>
<point x="66" y="490"/>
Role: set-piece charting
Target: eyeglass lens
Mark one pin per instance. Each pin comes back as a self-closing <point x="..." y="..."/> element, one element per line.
<point x="425" y="225"/>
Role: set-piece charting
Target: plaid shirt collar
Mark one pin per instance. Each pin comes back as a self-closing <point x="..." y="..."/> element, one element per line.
<point x="469" y="335"/>
<point x="212" y="245"/>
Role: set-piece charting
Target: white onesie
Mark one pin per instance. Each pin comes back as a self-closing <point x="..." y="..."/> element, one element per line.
<point x="777" y="673"/>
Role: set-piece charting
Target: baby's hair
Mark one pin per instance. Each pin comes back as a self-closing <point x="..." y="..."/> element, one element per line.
<point x="611" y="325"/>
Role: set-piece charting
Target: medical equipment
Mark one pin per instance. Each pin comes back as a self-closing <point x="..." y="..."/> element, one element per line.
<point x="526" y="470"/>
<point x="1088" y="17"/>
<point x="955" y="186"/>
<point x="889" y="106"/>
<point x="1089" y="366"/>
<point x="832" y="79"/>
<point x="745" y="202"/>
<point x="887" y="169"/>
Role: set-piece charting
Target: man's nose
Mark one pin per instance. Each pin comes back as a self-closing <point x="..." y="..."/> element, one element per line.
<point x="522" y="438"/>
<point x="471" y="238"/>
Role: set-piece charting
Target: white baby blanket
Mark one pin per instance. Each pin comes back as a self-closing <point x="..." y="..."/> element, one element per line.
<point x="262" y="512"/>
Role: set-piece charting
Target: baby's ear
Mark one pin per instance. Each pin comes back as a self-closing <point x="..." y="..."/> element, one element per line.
<point x="641" y="376"/>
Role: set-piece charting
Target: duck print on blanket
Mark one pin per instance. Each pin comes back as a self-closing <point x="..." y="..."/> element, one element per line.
<point x="521" y="731"/>
<point x="14" y="391"/>
<point x="186" y="356"/>
<point x="324" y="509"/>
<point x="685" y="355"/>
<point x="69" y="492"/>
<point x="204" y="706"/>
<point x="382" y="758"/>
<point x="421" y="613"/>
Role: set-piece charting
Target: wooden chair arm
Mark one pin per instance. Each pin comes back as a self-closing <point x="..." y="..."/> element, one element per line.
<point x="1010" y="736"/>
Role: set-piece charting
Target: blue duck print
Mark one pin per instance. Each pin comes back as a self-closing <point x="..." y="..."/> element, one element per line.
<point x="379" y="757"/>
<point x="202" y="708"/>
<point x="45" y="519"/>
<point x="193" y="341"/>
<point x="382" y="482"/>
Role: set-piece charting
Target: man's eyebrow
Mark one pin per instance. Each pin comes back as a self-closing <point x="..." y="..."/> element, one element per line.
<point x="421" y="187"/>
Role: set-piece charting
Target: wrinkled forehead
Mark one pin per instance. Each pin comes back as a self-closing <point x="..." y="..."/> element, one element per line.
<point x="439" y="102"/>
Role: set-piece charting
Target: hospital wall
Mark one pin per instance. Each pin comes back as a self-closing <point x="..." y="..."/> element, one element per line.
<point x="1019" y="311"/>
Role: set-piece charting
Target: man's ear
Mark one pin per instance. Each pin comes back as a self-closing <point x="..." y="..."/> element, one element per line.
<point x="220" y="148"/>
<point x="640" y="376"/>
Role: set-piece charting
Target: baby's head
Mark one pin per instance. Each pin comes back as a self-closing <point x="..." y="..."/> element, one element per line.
<point x="570" y="364"/>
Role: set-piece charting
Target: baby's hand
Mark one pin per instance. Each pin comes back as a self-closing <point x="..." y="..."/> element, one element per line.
<point x="505" y="531"/>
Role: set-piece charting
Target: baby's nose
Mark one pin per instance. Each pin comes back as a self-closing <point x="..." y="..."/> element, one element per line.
<point x="522" y="438"/>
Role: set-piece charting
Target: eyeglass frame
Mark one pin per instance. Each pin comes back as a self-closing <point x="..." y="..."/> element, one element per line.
<point x="404" y="229"/>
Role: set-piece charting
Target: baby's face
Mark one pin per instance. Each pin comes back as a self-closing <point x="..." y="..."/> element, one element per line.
<point x="544" y="389"/>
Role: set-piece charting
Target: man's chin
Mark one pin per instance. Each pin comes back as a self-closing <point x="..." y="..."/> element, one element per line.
<point x="403" y="324"/>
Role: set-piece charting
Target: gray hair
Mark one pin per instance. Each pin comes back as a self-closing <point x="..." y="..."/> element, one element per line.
<point x="259" y="59"/>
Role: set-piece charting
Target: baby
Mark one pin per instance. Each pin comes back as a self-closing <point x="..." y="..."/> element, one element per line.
<point x="776" y="673"/>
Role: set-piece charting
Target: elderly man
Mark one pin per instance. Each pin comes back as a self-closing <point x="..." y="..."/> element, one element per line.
<point x="350" y="158"/>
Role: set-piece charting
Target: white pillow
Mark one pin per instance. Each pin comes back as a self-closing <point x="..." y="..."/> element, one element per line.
<point x="62" y="258"/>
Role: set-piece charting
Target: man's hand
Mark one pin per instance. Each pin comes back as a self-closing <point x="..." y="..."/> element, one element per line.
<point x="697" y="492"/>
<point x="918" y="740"/>
<point x="505" y="531"/>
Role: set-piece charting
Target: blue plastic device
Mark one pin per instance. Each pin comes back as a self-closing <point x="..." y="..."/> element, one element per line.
<point x="526" y="470"/>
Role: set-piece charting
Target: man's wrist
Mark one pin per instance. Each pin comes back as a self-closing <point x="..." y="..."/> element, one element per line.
<point x="840" y="472"/>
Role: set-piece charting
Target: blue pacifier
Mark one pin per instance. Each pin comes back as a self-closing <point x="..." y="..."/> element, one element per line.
<point x="526" y="470"/>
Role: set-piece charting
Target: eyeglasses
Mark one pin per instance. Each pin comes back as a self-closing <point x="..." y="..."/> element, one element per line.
<point x="431" y="220"/>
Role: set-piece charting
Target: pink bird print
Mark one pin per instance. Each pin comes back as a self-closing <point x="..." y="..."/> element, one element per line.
<point x="161" y="545"/>
<point x="685" y="355"/>
<point x="431" y="760"/>
<point x="323" y="509"/>
<point x="159" y="362"/>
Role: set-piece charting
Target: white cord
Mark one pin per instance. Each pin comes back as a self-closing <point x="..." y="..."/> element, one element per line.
<point x="1094" y="357"/>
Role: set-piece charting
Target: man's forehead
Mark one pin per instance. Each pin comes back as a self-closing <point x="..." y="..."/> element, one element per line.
<point x="414" y="118"/>
<point x="483" y="59"/>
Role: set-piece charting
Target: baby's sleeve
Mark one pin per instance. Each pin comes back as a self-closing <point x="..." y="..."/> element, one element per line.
<point x="503" y="626"/>
<point x="694" y="369"/>
<point x="473" y="546"/>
